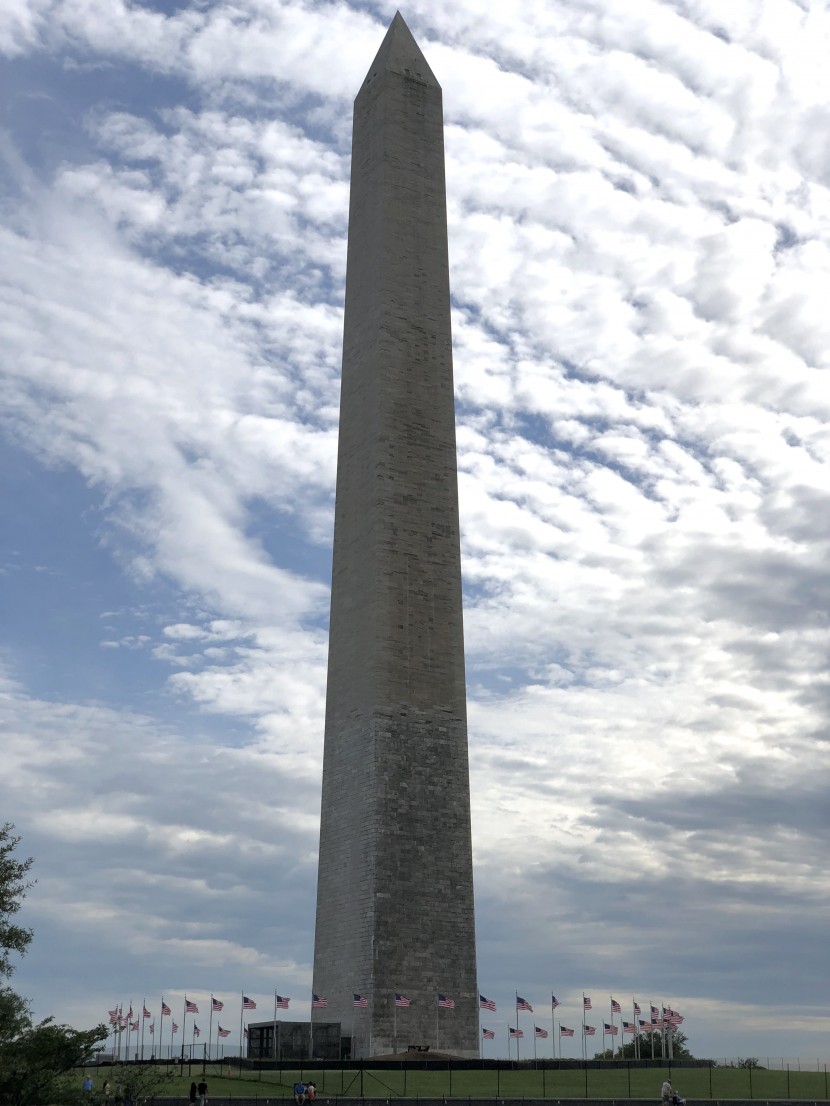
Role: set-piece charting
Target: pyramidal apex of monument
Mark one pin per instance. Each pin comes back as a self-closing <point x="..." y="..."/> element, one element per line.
<point x="400" y="53"/>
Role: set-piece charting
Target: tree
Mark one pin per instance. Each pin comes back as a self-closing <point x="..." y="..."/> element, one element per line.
<point x="13" y="887"/>
<point x="679" y="1049"/>
<point x="34" y="1058"/>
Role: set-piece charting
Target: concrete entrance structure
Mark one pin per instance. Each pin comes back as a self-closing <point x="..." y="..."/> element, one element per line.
<point x="395" y="885"/>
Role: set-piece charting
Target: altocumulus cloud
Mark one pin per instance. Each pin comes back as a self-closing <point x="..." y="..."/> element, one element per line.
<point x="639" y="213"/>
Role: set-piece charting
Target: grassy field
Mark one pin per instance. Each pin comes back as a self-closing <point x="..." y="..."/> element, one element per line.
<point x="692" y="1083"/>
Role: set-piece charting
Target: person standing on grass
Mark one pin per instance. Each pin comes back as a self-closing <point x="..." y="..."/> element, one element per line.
<point x="666" y="1092"/>
<point x="203" y="1092"/>
<point x="310" y="1092"/>
<point x="299" y="1093"/>
<point x="193" y="1093"/>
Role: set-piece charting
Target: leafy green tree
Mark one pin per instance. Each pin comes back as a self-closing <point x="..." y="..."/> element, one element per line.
<point x="35" y="1059"/>
<point x="680" y="1050"/>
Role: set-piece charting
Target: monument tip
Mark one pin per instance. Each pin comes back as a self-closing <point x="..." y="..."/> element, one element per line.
<point x="400" y="53"/>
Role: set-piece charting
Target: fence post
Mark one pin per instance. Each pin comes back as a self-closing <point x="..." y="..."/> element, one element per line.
<point x="788" y="1080"/>
<point x="629" y="1078"/>
<point x="750" y="1081"/>
<point x="711" y="1065"/>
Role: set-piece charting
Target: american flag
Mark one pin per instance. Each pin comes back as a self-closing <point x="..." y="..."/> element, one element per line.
<point x="114" y="1015"/>
<point x="134" y="1025"/>
<point x="637" y="1009"/>
<point x="360" y="1002"/>
<point x="554" y="1001"/>
<point x="516" y="1032"/>
<point x="282" y="1002"/>
<point x="488" y="1034"/>
<point x="645" y="1027"/>
<point x="152" y="1028"/>
<point x="196" y="1030"/>
<point x="586" y="1003"/>
<point x="175" y="1028"/>
<point x="445" y="1003"/>
<point x="147" y="1013"/>
<point x="165" y="1009"/>
<point x="565" y="1032"/>
<point x="190" y="1007"/>
<point x="655" y="1013"/>
<point x="486" y="1003"/>
<point x="215" y="1004"/>
<point x="589" y="1030"/>
<point x="540" y="1032"/>
<point x="318" y="1002"/>
<point x="523" y="1004"/>
<point x="402" y="1001"/>
<point x="130" y="1012"/>
<point x="248" y="1003"/>
<point x="615" y="1006"/>
<point x="629" y="1027"/>
<point x="223" y="1032"/>
<point x="611" y="1030"/>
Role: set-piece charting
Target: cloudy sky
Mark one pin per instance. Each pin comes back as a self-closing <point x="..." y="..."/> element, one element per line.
<point x="639" y="205"/>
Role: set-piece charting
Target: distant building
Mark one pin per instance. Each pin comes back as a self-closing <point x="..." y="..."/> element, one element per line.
<point x="294" y="1042"/>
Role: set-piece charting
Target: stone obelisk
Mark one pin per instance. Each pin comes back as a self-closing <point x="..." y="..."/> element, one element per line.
<point x="395" y="884"/>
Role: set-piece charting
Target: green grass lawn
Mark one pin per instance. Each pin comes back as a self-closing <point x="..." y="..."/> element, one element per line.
<point x="692" y="1083"/>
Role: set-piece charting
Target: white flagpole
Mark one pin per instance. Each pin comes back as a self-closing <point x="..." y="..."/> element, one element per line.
<point x="584" y="1052"/>
<point x="436" y="1023"/>
<point x="241" y="1016"/>
<point x="275" y="1024"/>
<point x="394" y="1025"/>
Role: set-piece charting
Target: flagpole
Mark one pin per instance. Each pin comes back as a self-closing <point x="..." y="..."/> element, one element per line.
<point x="161" y="1027"/>
<point x="437" y="1008"/>
<point x="584" y="1051"/>
<point x="241" y="1016"/>
<point x="275" y="1025"/>
<point x="394" y="1024"/>
<point x="210" y="1027"/>
<point x="636" y="1029"/>
<point x="184" y="1024"/>
<point x="553" y="1026"/>
<point x="143" y="1008"/>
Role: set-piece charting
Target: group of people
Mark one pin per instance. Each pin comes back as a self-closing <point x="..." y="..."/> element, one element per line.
<point x="670" y="1097"/>
<point x="122" y="1097"/>
<point x="304" y="1092"/>
<point x="199" y="1093"/>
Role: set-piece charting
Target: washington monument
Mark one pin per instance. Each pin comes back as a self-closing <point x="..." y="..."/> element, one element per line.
<point x="395" y="884"/>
